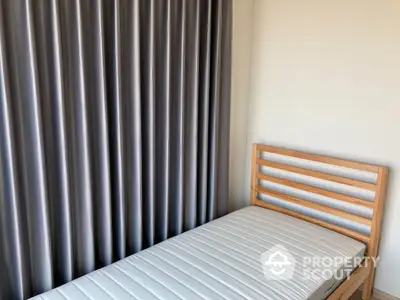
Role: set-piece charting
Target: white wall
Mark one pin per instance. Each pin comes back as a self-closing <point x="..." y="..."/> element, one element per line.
<point x="325" y="77"/>
<point x="241" y="54"/>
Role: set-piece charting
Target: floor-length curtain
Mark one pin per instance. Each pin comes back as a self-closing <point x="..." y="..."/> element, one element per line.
<point x="114" y="131"/>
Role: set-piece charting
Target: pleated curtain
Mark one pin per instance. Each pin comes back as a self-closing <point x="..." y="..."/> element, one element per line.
<point x="114" y="131"/>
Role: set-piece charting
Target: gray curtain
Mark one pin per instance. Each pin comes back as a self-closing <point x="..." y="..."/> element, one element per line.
<point x="114" y="131"/>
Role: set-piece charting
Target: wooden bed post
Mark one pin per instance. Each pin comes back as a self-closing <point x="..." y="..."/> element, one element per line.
<point x="254" y="156"/>
<point x="373" y="244"/>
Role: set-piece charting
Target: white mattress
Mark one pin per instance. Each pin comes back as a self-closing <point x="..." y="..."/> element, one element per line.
<point x="219" y="260"/>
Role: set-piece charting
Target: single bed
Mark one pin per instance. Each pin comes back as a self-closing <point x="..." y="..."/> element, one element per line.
<point x="219" y="260"/>
<point x="223" y="259"/>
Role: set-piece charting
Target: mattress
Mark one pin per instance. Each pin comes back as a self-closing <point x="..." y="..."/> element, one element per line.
<point x="221" y="260"/>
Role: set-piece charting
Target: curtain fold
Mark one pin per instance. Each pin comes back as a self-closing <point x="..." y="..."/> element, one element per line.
<point x="114" y="131"/>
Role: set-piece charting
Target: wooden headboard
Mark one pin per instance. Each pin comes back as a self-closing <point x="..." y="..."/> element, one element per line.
<point x="378" y="187"/>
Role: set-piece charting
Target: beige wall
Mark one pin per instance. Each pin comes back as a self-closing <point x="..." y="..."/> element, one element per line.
<point x="325" y="77"/>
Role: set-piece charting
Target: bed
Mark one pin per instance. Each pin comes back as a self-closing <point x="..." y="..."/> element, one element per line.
<point x="227" y="258"/>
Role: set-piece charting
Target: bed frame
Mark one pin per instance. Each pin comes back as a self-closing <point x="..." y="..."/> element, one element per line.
<point x="364" y="274"/>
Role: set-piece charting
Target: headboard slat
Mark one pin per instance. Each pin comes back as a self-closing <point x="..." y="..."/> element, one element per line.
<point x="317" y="174"/>
<point x="316" y="190"/>
<point x="319" y="158"/>
<point x="350" y="233"/>
<point x="313" y="205"/>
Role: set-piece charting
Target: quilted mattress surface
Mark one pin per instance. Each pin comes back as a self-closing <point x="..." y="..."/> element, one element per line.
<point x="220" y="260"/>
